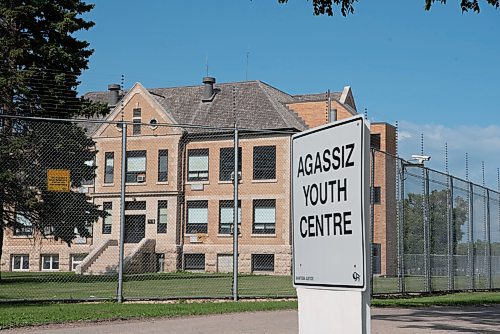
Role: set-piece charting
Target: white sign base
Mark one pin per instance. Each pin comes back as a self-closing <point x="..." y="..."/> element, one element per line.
<point x="330" y="311"/>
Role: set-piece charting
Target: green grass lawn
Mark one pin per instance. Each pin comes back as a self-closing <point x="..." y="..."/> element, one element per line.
<point x="59" y="286"/>
<point x="56" y="286"/>
<point x="27" y="315"/>
<point x="451" y="299"/>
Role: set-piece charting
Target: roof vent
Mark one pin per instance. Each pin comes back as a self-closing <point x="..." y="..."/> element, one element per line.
<point x="208" y="90"/>
<point x="114" y="89"/>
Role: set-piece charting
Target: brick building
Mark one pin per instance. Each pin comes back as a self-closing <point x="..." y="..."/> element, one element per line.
<point x="179" y="190"/>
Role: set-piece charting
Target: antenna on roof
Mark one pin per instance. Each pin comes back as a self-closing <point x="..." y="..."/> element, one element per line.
<point x="466" y="166"/>
<point x="446" y="157"/>
<point x="234" y="105"/>
<point x="122" y="93"/>
<point x="246" y="71"/>
<point x="206" y="64"/>
<point x="482" y="170"/>
<point x="397" y="139"/>
<point x="498" y="185"/>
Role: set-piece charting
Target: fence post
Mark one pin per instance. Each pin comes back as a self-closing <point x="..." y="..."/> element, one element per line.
<point x="451" y="235"/>
<point x="400" y="240"/>
<point x="488" y="238"/>
<point x="372" y="215"/>
<point x="119" y="293"/>
<point x="235" y="217"/>
<point x="470" y="247"/>
<point x="425" y="203"/>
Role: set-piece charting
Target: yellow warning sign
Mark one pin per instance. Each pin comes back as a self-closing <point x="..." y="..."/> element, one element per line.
<point x="58" y="180"/>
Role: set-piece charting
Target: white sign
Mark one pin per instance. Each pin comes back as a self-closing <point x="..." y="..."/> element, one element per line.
<point x="329" y="178"/>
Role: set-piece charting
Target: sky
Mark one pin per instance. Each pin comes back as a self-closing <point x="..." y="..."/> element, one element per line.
<point x="435" y="72"/>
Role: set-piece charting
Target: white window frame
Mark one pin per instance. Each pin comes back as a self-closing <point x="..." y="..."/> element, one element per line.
<point x="52" y="258"/>
<point x="74" y="263"/>
<point x="24" y="258"/>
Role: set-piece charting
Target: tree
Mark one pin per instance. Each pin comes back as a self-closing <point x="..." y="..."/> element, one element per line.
<point x="322" y="7"/>
<point x="40" y="62"/>
<point x="438" y="222"/>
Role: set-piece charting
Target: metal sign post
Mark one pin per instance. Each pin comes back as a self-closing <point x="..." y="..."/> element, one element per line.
<point x="331" y="227"/>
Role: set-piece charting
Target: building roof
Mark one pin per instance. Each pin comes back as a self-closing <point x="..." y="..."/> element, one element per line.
<point x="255" y="104"/>
<point x="316" y="97"/>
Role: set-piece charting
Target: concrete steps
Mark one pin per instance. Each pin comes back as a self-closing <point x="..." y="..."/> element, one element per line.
<point x="138" y="258"/>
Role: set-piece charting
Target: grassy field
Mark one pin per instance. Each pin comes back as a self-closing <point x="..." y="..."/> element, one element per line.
<point x="19" y="315"/>
<point x="27" y="315"/>
<point x="58" y="286"/>
<point x="452" y="299"/>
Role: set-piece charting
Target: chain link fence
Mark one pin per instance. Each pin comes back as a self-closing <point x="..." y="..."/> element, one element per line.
<point x="447" y="231"/>
<point x="125" y="210"/>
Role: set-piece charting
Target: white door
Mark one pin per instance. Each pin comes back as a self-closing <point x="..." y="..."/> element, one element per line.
<point x="224" y="263"/>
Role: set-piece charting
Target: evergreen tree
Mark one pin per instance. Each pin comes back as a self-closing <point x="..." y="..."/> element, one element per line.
<point x="40" y="62"/>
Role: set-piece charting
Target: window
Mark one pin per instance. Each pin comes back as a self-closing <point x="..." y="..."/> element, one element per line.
<point x="50" y="262"/>
<point x="136" y="120"/>
<point x="376" y="261"/>
<point x="89" y="182"/>
<point x="162" y="217"/>
<point x="226" y="217"/>
<point x="89" y="226"/>
<point x="20" y="262"/>
<point x="375" y="141"/>
<point x="264" y="216"/>
<point x="194" y="261"/>
<point x="24" y="226"/>
<point x="226" y="163"/>
<point x="162" y="166"/>
<point x="197" y="220"/>
<point x="109" y="169"/>
<point x="135" y="205"/>
<point x="107" y="223"/>
<point x="160" y="262"/>
<point x="153" y="124"/>
<point x="264" y="162"/>
<point x="376" y="195"/>
<point x="48" y="231"/>
<point x="262" y="262"/>
<point x="136" y="166"/>
<point x="76" y="259"/>
<point x="78" y="238"/>
<point x="198" y="164"/>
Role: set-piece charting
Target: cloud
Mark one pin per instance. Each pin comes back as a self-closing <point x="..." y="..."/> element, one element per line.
<point x="404" y="135"/>
<point x="480" y="144"/>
